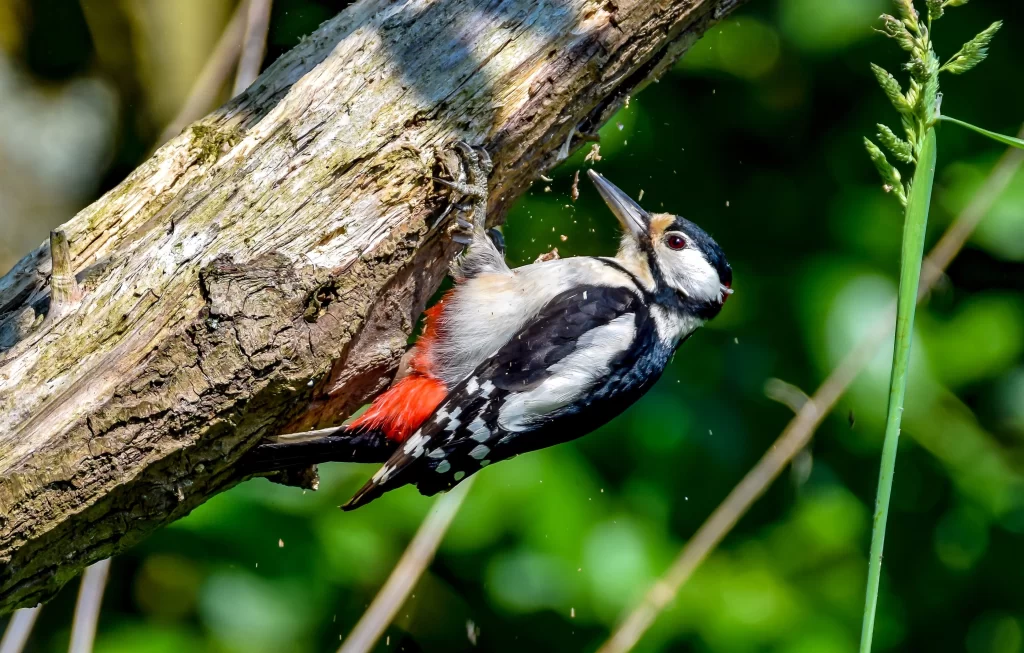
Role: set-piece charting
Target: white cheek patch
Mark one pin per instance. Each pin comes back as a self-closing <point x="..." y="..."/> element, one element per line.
<point x="689" y="271"/>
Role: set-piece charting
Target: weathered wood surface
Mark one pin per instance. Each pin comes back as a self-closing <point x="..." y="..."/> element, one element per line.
<point x="263" y="270"/>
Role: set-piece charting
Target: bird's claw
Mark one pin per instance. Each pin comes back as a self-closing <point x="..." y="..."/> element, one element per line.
<point x="469" y="167"/>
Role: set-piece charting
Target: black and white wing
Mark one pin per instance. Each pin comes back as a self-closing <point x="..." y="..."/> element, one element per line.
<point x="589" y="353"/>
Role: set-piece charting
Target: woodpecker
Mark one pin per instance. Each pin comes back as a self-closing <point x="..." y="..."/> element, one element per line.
<point x="514" y="360"/>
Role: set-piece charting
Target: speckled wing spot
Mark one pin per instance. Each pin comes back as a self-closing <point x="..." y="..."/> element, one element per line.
<point x="485" y="463"/>
<point x="443" y="467"/>
<point x="478" y="430"/>
<point x="459" y="475"/>
<point x="472" y="386"/>
<point x="454" y="423"/>
<point x="479" y="451"/>
<point x="436" y="453"/>
<point x="440" y="416"/>
<point x="487" y="388"/>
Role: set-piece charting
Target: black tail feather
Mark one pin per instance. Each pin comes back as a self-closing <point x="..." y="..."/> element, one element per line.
<point x="365" y="495"/>
<point x="341" y="446"/>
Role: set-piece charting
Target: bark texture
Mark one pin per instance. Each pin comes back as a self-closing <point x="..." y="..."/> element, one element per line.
<point x="262" y="271"/>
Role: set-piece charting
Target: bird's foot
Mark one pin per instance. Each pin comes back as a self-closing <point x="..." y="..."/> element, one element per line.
<point x="469" y="167"/>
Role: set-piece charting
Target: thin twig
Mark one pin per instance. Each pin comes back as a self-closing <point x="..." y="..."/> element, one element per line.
<point x="18" y="630"/>
<point x="799" y="431"/>
<point x="253" y="45"/>
<point x="213" y="76"/>
<point x="87" y="610"/>
<point x="786" y="394"/>
<point x="406" y="574"/>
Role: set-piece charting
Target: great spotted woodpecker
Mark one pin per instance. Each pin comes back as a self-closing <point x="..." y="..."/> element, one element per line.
<point x="514" y="360"/>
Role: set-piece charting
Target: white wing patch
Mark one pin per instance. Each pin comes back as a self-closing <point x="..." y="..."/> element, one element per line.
<point x="574" y="374"/>
<point x="414" y="446"/>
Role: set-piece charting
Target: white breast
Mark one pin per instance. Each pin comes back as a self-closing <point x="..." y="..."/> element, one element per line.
<point x="486" y="311"/>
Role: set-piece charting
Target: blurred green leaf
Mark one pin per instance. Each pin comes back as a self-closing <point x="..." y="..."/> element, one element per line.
<point x="745" y="47"/>
<point x="249" y="613"/>
<point x="1002" y="230"/>
<point x="961" y="538"/>
<point x="142" y="637"/>
<point x="826" y="26"/>
<point x="991" y="326"/>
<point x="524" y="582"/>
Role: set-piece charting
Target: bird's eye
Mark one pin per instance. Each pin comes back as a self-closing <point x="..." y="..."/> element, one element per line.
<point x="675" y="241"/>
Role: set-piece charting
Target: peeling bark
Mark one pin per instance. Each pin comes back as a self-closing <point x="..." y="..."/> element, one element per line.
<point x="264" y="268"/>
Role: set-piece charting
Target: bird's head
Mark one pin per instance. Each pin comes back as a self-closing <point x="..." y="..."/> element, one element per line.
<point x="681" y="263"/>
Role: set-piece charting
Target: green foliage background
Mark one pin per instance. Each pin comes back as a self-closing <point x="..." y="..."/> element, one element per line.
<point x="756" y="136"/>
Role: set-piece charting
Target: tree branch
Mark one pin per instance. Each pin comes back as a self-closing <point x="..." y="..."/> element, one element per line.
<point x="262" y="271"/>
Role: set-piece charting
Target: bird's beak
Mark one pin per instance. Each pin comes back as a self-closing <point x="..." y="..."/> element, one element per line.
<point x="633" y="218"/>
<point x="726" y="292"/>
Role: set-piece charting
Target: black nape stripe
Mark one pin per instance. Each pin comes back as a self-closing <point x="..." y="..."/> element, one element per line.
<point x="636" y="280"/>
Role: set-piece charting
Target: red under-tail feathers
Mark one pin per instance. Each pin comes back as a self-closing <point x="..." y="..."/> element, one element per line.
<point x="405" y="406"/>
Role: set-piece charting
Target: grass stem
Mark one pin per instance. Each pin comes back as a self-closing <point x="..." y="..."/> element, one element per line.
<point x="914" y="227"/>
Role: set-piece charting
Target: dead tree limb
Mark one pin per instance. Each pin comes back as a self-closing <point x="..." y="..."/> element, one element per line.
<point x="263" y="270"/>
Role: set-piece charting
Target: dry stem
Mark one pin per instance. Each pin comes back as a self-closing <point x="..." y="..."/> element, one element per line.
<point x="407" y="572"/>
